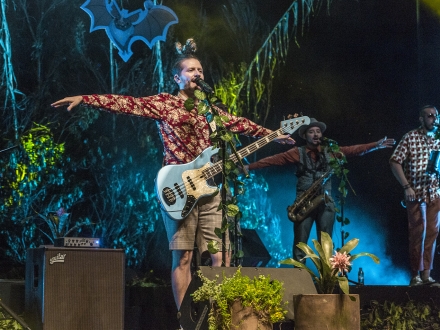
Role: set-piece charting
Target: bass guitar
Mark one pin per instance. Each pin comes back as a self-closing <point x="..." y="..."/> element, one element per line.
<point x="179" y="187"/>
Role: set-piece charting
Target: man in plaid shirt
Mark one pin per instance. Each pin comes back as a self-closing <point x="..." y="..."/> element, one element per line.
<point x="409" y="164"/>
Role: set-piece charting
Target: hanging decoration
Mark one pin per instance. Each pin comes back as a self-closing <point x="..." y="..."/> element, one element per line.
<point x="256" y="80"/>
<point x="123" y="28"/>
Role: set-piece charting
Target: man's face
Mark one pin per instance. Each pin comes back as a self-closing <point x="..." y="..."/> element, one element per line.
<point x="313" y="136"/>
<point x="190" y="68"/>
<point x="428" y="119"/>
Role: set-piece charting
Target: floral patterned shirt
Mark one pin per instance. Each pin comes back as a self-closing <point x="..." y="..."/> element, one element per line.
<point x="413" y="152"/>
<point x="185" y="134"/>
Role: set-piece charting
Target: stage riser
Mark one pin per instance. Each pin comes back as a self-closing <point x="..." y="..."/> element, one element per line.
<point x="12" y="295"/>
<point x="396" y="294"/>
<point x="156" y="305"/>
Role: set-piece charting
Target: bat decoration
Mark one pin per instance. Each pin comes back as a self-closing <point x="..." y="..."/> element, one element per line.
<point x="123" y="27"/>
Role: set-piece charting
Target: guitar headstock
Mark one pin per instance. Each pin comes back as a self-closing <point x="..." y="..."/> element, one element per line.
<point x="289" y="126"/>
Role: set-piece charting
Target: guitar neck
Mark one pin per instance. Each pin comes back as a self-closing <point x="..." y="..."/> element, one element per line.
<point x="217" y="167"/>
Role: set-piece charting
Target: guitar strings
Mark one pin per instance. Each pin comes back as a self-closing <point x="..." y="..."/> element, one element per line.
<point x="171" y="192"/>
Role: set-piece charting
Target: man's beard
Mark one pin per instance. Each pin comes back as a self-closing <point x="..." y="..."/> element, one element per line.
<point x="431" y="129"/>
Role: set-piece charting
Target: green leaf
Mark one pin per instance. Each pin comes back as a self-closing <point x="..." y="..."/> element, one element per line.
<point x="298" y="264"/>
<point x="213" y="99"/>
<point x="343" y="284"/>
<point x="232" y="210"/>
<point x="202" y="108"/>
<point x="365" y="254"/>
<point x="224" y="119"/>
<point x="327" y="247"/>
<point x="218" y="232"/>
<point x="200" y="95"/>
<point x="189" y="104"/>
<point x="239" y="254"/>
<point x="213" y="247"/>
<point x="350" y="245"/>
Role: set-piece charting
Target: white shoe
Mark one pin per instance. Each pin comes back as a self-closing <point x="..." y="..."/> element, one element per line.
<point x="416" y="280"/>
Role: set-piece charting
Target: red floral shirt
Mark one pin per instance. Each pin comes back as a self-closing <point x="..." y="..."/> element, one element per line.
<point x="413" y="152"/>
<point x="185" y="134"/>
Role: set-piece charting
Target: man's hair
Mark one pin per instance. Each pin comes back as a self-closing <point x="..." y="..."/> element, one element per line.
<point x="422" y="109"/>
<point x="184" y="52"/>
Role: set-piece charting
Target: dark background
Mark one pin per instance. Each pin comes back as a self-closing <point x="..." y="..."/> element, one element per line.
<point x="365" y="70"/>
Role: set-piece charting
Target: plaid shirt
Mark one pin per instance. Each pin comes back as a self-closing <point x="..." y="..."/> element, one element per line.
<point x="185" y="134"/>
<point x="413" y="153"/>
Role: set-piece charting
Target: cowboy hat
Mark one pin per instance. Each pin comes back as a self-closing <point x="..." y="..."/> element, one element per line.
<point x="313" y="123"/>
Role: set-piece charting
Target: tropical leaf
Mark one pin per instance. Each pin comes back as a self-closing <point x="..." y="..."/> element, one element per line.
<point x="328" y="272"/>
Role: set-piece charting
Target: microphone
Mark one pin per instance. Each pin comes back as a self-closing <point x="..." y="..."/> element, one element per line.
<point x="202" y="84"/>
<point x="327" y="141"/>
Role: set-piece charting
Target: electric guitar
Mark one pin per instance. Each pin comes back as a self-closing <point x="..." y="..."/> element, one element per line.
<point x="179" y="187"/>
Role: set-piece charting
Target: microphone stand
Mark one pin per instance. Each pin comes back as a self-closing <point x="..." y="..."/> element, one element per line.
<point x="8" y="148"/>
<point x="340" y="164"/>
<point x="209" y="91"/>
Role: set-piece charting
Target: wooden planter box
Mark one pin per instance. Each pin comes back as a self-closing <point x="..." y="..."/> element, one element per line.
<point x="326" y="311"/>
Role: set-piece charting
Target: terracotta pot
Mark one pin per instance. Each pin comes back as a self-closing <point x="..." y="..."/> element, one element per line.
<point x="326" y="311"/>
<point x="246" y="319"/>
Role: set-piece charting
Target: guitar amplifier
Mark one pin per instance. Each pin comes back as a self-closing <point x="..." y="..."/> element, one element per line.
<point x="70" y="288"/>
<point x="76" y="242"/>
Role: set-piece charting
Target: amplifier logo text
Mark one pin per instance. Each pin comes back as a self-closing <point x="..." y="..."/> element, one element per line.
<point x="58" y="258"/>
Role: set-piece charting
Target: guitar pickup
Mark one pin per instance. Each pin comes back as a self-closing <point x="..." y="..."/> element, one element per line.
<point x="191" y="183"/>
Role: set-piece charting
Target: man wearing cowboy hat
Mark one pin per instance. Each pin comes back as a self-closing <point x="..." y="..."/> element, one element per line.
<point x="312" y="162"/>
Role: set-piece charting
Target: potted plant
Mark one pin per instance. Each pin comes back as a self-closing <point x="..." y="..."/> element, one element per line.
<point x="239" y="302"/>
<point x="336" y="311"/>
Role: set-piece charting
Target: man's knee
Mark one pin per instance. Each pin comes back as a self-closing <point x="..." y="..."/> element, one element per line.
<point x="181" y="258"/>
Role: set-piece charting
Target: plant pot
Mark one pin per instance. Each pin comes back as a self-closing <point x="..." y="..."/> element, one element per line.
<point x="246" y="319"/>
<point x="326" y="311"/>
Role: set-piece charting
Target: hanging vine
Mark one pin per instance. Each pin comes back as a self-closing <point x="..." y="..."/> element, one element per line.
<point x="256" y="80"/>
<point x="8" y="77"/>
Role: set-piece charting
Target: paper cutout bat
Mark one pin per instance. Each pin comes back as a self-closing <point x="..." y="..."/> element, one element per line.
<point x="123" y="27"/>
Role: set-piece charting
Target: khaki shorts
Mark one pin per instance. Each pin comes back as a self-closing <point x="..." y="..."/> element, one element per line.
<point x="198" y="227"/>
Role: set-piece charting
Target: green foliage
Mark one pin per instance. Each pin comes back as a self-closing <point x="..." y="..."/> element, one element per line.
<point x="409" y="316"/>
<point x="337" y="163"/>
<point x="261" y="293"/>
<point x="228" y="89"/>
<point x="122" y="204"/>
<point x="35" y="166"/>
<point x="148" y="280"/>
<point x="328" y="275"/>
<point x="31" y="182"/>
<point x="7" y="322"/>
<point x="223" y="140"/>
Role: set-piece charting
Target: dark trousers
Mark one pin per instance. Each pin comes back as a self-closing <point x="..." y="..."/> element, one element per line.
<point x="324" y="216"/>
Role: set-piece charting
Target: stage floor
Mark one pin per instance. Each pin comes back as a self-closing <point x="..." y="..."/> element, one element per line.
<point x="158" y="308"/>
<point x="398" y="294"/>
